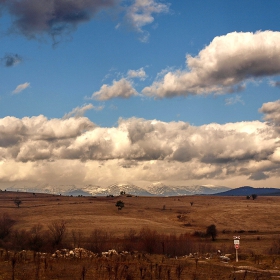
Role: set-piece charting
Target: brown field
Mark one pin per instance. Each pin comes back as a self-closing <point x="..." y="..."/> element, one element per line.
<point x="257" y="222"/>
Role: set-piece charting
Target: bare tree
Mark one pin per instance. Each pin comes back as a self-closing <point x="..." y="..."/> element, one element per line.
<point x="36" y="238"/>
<point x="149" y="239"/>
<point x="131" y="240"/>
<point x="17" y="202"/>
<point x="57" y="231"/>
<point x="6" y="224"/>
<point x="19" y="239"/>
<point x="98" y="240"/>
<point x="77" y="237"/>
<point x="212" y="231"/>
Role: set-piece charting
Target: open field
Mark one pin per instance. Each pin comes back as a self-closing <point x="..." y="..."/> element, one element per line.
<point x="257" y="222"/>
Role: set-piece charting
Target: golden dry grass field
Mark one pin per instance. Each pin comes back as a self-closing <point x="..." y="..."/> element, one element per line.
<point x="257" y="222"/>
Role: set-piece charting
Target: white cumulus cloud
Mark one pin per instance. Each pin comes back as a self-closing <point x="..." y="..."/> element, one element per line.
<point x="140" y="73"/>
<point x="122" y="88"/>
<point x="223" y="66"/>
<point x="141" y="13"/>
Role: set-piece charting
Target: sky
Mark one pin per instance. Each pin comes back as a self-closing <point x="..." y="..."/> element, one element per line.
<point x="96" y="92"/>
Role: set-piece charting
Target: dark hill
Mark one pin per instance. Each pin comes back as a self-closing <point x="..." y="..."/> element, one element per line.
<point x="246" y="190"/>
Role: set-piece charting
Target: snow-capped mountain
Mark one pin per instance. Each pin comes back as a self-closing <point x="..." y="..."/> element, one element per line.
<point x="116" y="189"/>
<point x="160" y="189"/>
<point x="207" y="189"/>
<point x="55" y="189"/>
<point x="155" y="189"/>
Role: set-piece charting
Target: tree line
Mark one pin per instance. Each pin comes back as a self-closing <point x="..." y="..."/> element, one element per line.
<point x="56" y="235"/>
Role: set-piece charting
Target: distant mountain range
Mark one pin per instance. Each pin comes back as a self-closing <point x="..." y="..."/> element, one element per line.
<point x="246" y="190"/>
<point x="155" y="189"/>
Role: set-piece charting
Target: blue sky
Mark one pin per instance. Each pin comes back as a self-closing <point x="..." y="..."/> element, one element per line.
<point x="122" y="66"/>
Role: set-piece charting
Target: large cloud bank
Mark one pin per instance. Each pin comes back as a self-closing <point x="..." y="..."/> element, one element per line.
<point x="223" y="66"/>
<point x="75" y="149"/>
